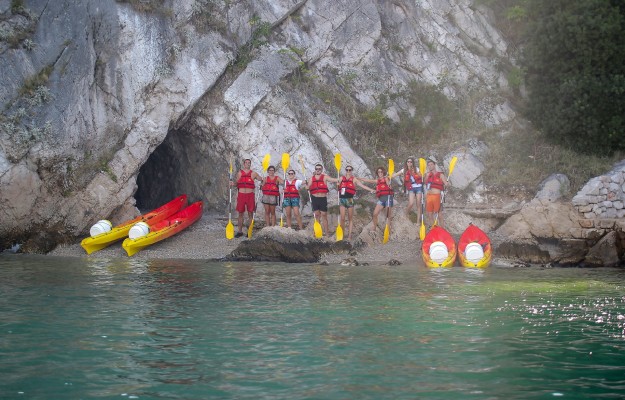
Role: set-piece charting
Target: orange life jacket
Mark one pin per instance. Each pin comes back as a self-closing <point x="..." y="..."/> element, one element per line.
<point x="348" y="185"/>
<point x="382" y="188"/>
<point x="318" y="185"/>
<point x="270" y="188"/>
<point x="434" y="181"/>
<point x="290" y="190"/>
<point x="410" y="178"/>
<point x="246" y="181"/>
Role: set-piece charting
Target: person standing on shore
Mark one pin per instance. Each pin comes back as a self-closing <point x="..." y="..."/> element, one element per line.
<point x="435" y="182"/>
<point x="347" y="190"/>
<point x="245" y="197"/>
<point x="271" y="195"/>
<point x="318" y="187"/>
<point x="291" y="201"/>
<point x="413" y="183"/>
<point x="384" y="193"/>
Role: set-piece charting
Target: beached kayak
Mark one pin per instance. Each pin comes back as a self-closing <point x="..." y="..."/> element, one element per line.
<point x="120" y="231"/>
<point x="165" y="228"/>
<point x="438" y="248"/>
<point x="474" y="248"/>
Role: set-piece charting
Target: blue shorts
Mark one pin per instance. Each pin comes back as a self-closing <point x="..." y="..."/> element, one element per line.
<point x="416" y="190"/>
<point x="347" y="202"/>
<point x="290" y="202"/>
<point x="385" y="201"/>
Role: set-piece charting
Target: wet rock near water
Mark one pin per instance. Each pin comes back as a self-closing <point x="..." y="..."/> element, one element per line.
<point x="286" y="245"/>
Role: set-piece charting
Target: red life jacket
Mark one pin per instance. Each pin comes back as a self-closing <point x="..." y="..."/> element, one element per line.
<point x="348" y="185"/>
<point x="382" y="188"/>
<point x="318" y="185"/>
<point x="270" y="188"/>
<point x="290" y="190"/>
<point x="434" y="181"/>
<point x="246" y="181"/>
<point x="408" y="182"/>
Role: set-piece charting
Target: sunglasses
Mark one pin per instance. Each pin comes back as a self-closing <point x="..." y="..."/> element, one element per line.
<point x="291" y="173"/>
<point x="317" y="169"/>
<point x="348" y="169"/>
<point x="409" y="161"/>
<point x="271" y="170"/>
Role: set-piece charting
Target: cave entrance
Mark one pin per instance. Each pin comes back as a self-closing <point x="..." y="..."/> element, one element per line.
<point x="169" y="172"/>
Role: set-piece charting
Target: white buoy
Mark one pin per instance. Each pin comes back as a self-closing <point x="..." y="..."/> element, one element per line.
<point x="100" y="227"/>
<point x="138" y="230"/>
<point x="438" y="252"/>
<point x="474" y="252"/>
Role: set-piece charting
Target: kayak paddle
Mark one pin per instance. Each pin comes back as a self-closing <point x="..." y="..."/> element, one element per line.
<point x="317" y="226"/>
<point x="266" y="161"/>
<point x="286" y="160"/>
<point x="422" y="167"/>
<point x="337" y="165"/>
<point x="387" y="229"/>
<point x="230" y="227"/>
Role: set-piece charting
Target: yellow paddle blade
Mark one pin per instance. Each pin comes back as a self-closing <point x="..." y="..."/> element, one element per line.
<point x="391" y="166"/>
<point x="250" y="229"/>
<point x="339" y="233"/>
<point x="229" y="231"/>
<point x="422" y="230"/>
<point x="386" y="234"/>
<point x="422" y="166"/>
<point x="266" y="161"/>
<point x="286" y="160"/>
<point x="317" y="229"/>
<point x="452" y="164"/>
<point x="337" y="163"/>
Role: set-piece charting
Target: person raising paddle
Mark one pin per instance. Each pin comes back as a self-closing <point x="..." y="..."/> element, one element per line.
<point x="271" y="195"/>
<point x="245" y="197"/>
<point x="413" y="183"/>
<point x="384" y="193"/>
<point x="435" y="182"/>
<point x="347" y="190"/>
<point x="318" y="187"/>
<point x="291" y="201"/>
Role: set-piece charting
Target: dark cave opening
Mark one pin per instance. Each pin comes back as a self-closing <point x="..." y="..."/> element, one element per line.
<point x="157" y="180"/>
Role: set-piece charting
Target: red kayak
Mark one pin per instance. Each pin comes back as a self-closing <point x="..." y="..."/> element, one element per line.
<point x="165" y="228"/>
<point x="438" y="248"/>
<point x="474" y="248"/>
<point x="120" y="231"/>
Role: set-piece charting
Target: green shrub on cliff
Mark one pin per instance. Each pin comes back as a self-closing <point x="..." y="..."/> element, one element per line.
<point x="575" y="61"/>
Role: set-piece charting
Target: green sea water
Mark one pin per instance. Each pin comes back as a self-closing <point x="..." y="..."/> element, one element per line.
<point x="97" y="328"/>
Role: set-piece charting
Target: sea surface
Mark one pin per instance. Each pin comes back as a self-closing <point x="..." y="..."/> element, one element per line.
<point x="98" y="328"/>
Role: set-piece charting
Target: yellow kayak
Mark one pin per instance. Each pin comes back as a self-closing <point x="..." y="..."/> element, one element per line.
<point x="474" y="248"/>
<point x="120" y="231"/>
<point x="438" y="249"/>
<point x="165" y="228"/>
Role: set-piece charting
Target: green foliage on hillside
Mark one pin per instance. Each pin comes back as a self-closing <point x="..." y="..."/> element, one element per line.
<point x="575" y="63"/>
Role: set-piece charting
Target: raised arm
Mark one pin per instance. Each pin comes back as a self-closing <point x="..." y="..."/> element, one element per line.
<point x="357" y="182"/>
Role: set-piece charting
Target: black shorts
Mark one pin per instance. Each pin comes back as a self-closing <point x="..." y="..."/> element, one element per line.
<point x="319" y="203"/>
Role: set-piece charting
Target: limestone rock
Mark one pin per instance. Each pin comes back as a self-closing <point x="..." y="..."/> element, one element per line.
<point x="553" y="187"/>
<point x="606" y="253"/>
<point x="285" y="245"/>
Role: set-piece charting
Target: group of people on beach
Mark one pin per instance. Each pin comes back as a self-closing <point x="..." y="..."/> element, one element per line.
<point x="430" y="183"/>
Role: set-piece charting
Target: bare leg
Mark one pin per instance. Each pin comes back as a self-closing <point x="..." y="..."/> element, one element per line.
<point x="324" y="221"/>
<point x="287" y="211"/>
<point x="411" y="201"/>
<point x="298" y="217"/>
<point x="350" y="212"/>
<point x="376" y="212"/>
<point x="267" y="214"/>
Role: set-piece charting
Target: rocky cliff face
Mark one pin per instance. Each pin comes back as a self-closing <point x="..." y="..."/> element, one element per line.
<point x="107" y="101"/>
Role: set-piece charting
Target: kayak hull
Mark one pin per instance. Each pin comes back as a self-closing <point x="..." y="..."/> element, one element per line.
<point x="164" y="229"/>
<point x="438" y="235"/>
<point x="120" y="231"/>
<point x="471" y="236"/>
